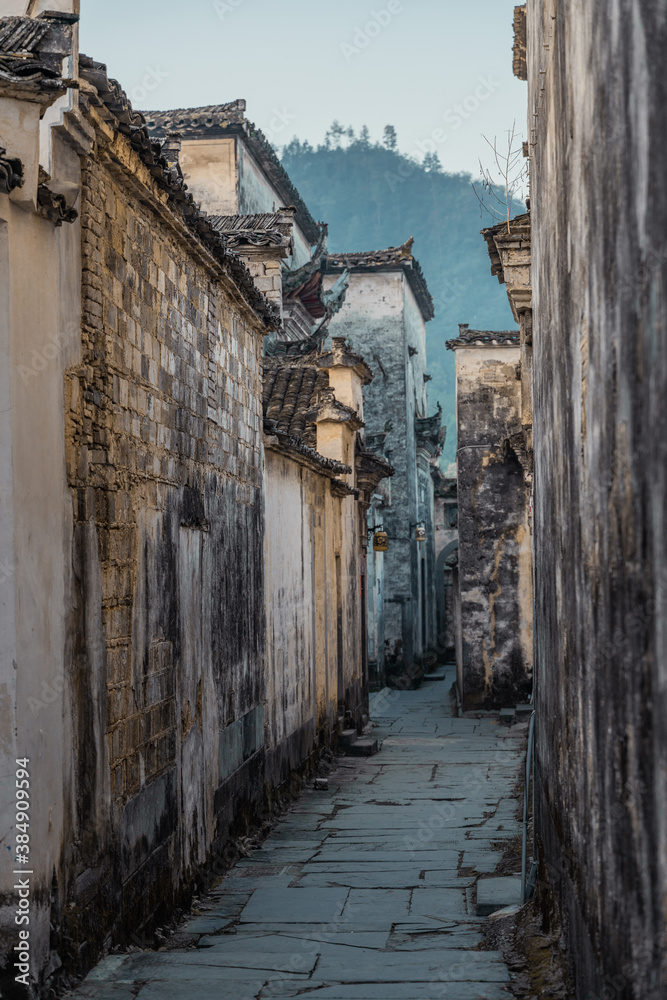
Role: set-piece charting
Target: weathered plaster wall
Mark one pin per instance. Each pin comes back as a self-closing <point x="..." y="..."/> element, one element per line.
<point x="225" y="179"/>
<point x="39" y="337"/>
<point x="446" y="556"/>
<point x="375" y="584"/>
<point x="210" y="169"/>
<point x="598" y="101"/>
<point x="495" y="574"/>
<point x="381" y="318"/>
<point x="301" y="515"/>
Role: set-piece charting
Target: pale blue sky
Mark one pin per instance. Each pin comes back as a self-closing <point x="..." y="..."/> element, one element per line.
<point x="440" y="71"/>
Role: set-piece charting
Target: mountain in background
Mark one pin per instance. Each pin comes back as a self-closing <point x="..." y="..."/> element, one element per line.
<point x="372" y="197"/>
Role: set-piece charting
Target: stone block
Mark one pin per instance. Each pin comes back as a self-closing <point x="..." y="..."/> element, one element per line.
<point x="363" y="748"/>
<point x="495" y="893"/>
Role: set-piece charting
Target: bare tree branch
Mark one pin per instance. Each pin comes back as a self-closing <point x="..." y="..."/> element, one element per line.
<point x="510" y="175"/>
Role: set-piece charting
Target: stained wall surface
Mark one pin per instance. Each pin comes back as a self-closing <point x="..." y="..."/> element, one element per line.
<point x="494" y="567"/>
<point x="313" y="611"/>
<point x="132" y="607"/>
<point x="598" y="120"/>
<point x="382" y="320"/>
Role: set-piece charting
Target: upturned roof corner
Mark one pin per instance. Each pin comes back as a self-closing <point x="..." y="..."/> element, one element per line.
<point x="509" y="249"/>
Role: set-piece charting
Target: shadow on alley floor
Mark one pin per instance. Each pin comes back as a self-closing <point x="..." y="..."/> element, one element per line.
<point x="366" y="891"/>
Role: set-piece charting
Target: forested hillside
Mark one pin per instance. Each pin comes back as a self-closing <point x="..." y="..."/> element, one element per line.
<point x="372" y="196"/>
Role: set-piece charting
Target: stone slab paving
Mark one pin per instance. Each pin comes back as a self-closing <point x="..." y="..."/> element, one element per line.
<point x="366" y="891"/>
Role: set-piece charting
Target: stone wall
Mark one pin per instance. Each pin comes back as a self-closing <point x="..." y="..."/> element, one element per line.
<point x="598" y="134"/>
<point x="495" y="663"/>
<point x="132" y="612"/>
<point x="167" y="631"/>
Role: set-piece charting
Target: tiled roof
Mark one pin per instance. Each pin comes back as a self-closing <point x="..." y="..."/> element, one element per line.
<point x="484" y="338"/>
<point x="31" y="55"/>
<point x="112" y="102"/>
<point x="26" y="51"/>
<point x="518" y="226"/>
<point x="292" y="390"/>
<point x="391" y="259"/>
<point x="215" y="120"/>
<point x="267" y="229"/>
<point x="194" y="120"/>
<point x="519" y="64"/>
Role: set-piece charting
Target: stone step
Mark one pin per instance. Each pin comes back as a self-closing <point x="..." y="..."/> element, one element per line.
<point x="347" y="738"/>
<point x="495" y="893"/>
<point x="364" y="747"/>
<point x="507" y="716"/>
<point x="439" y="674"/>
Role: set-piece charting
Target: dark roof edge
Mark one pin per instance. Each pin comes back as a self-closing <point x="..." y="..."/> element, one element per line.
<point x="294" y="446"/>
<point x="412" y="269"/>
<point x="484" y="338"/>
<point x="131" y="124"/>
<point x="263" y="152"/>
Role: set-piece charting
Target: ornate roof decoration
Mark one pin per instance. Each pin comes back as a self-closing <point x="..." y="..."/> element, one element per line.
<point x="484" y="338"/>
<point x="217" y="120"/>
<point x="391" y="259"/>
<point x="304" y="285"/>
<point x="305" y="282"/>
<point x="519" y="64"/>
<point x="113" y="104"/>
<point x="341" y="355"/>
<point x="54" y="207"/>
<point x="430" y="433"/>
<point x="268" y="229"/>
<point x="327" y="407"/>
<point x="445" y="486"/>
<point x="11" y="172"/>
<point x="516" y="228"/>
<point x="32" y="51"/>
<point x="370" y="469"/>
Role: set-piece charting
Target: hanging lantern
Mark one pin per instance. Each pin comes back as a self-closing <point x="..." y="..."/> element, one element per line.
<point x="380" y="541"/>
<point x="420" y="533"/>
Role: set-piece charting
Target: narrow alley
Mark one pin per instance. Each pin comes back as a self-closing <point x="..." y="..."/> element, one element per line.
<point x="373" y="889"/>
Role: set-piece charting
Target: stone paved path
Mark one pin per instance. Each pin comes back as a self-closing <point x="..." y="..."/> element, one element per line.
<point x="366" y="891"/>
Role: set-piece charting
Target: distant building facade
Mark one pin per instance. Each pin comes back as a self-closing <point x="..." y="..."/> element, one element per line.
<point x="495" y="595"/>
<point x="384" y="313"/>
<point x="446" y="563"/>
<point x="318" y="482"/>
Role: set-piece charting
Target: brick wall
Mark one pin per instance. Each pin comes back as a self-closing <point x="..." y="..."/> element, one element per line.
<point x="164" y="469"/>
